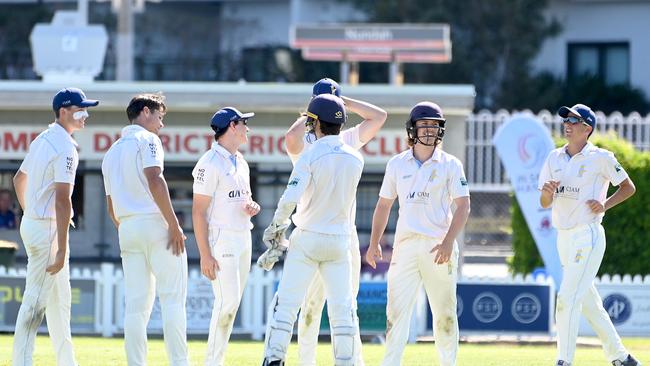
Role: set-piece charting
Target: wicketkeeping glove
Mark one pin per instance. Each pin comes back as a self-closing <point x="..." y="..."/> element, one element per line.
<point x="268" y="259"/>
<point x="274" y="234"/>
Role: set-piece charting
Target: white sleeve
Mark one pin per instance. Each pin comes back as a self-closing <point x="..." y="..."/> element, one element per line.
<point x="65" y="166"/>
<point x="107" y="183"/>
<point x="351" y="137"/>
<point x="545" y="173"/>
<point x="152" y="152"/>
<point x="612" y="170"/>
<point x="206" y="179"/>
<point x="388" y="187"/>
<point x="458" y="186"/>
<point x="298" y="181"/>
<point x="295" y="157"/>
<point x="24" y="166"/>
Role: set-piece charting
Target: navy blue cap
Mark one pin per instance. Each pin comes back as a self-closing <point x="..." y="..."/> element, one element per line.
<point x="426" y="110"/>
<point x="326" y="86"/>
<point x="579" y="110"/>
<point x="224" y="116"/>
<point x="68" y="97"/>
<point x="327" y="108"/>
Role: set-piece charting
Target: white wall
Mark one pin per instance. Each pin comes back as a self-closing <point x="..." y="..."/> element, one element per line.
<point x="600" y="21"/>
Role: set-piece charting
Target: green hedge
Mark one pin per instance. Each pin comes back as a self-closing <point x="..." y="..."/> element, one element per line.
<point x="627" y="226"/>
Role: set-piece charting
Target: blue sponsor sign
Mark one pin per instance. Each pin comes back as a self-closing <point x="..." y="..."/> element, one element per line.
<point x="371" y="308"/>
<point x="502" y="307"/>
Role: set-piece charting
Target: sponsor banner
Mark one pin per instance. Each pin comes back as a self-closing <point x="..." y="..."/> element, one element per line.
<point x="371" y="308"/>
<point x="523" y="142"/>
<point x="198" y="306"/>
<point x="187" y="144"/>
<point x="627" y="305"/>
<point x="84" y="300"/>
<point x="489" y="307"/>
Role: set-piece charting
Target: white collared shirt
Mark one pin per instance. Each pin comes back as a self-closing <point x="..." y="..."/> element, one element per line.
<point x="585" y="176"/>
<point x="228" y="184"/>
<point x="123" y="169"/>
<point x="324" y="185"/>
<point x="349" y="137"/>
<point x="425" y="193"/>
<point x="52" y="158"/>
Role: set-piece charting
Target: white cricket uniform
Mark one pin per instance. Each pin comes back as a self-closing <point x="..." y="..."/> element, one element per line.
<point x="148" y="265"/>
<point x="581" y="243"/>
<point x="323" y="183"/>
<point x="311" y="312"/>
<point x="425" y="192"/>
<point x="225" y="178"/>
<point x="52" y="158"/>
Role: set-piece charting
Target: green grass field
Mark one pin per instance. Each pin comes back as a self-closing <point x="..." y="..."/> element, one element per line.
<point x="109" y="351"/>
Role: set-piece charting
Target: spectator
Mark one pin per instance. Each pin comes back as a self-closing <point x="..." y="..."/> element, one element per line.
<point x="7" y="215"/>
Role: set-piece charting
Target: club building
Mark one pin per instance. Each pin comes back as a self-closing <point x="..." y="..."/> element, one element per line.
<point x="25" y="110"/>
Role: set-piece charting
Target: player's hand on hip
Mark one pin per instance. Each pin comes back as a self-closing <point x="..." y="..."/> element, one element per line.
<point x="550" y="187"/>
<point x="372" y="254"/>
<point x="209" y="267"/>
<point x="595" y="206"/>
<point x="444" y="250"/>
<point x="176" y="240"/>
<point x="59" y="261"/>
<point x="252" y="208"/>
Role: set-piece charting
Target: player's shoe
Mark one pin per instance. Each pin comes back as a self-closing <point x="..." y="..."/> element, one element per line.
<point x="562" y="363"/>
<point x="629" y="361"/>
<point x="268" y="362"/>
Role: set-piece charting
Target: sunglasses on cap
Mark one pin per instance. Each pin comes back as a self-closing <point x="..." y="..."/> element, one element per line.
<point x="311" y="115"/>
<point x="242" y="121"/>
<point x="573" y="120"/>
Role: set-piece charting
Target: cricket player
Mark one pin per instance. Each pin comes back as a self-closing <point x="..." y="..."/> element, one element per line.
<point x="221" y="212"/>
<point x="426" y="180"/>
<point x="152" y="243"/>
<point x="298" y="142"/>
<point x="44" y="184"/>
<point x="323" y="186"/>
<point x="574" y="182"/>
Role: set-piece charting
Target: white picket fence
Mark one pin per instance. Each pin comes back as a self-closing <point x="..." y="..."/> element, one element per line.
<point x="251" y="321"/>
<point x="484" y="169"/>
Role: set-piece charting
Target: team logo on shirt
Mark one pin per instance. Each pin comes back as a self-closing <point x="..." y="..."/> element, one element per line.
<point x="581" y="171"/>
<point x="238" y="193"/>
<point x="578" y="256"/>
<point x="293" y="182"/>
<point x="618" y="168"/>
<point x="463" y="181"/>
<point x="567" y="192"/>
<point x="418" y="197"/>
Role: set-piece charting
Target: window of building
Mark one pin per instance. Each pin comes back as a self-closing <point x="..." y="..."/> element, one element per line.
<point x="609" y="61"/>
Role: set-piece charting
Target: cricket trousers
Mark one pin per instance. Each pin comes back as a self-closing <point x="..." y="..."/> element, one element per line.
<point x="311" y="311"/>
<point x="581" y="251"/>
<point x="232" y="249"/>
<point x="329" y="256"/>
<point x="150" y="267"/>
<point x="412" y="265"/>
<point x="45" y="295"/>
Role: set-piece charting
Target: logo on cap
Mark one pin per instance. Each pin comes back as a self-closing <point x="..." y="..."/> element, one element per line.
<point x="338" y="114"/>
